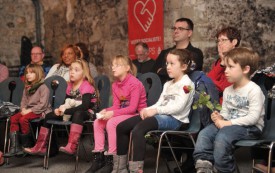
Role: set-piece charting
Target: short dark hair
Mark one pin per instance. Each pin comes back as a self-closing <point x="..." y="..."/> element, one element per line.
<point x="185" y="57"/>
<point x="231" y="33"/>
<point x="188" y="21"/>
<point x="144" y="45"/>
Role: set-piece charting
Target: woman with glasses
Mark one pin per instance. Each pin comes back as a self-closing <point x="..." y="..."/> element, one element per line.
<point x="227" y="39"/>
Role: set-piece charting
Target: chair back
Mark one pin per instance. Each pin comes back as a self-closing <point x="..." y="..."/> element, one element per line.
<point x="57" y="86"/>
<point x="11" y="90"/>
<point x="152" y="85"/>
<point x="103" y="85"/>
<point x="195" y="121"/>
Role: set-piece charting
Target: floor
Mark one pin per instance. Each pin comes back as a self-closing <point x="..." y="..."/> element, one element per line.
<point x="63" y="163"/>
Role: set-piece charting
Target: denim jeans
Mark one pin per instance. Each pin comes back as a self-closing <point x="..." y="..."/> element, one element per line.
<point x="217" y="145"/>
<point x="168" y="122"/>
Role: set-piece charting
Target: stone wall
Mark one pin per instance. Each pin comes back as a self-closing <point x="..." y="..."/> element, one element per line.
<point x="102" y="25"/>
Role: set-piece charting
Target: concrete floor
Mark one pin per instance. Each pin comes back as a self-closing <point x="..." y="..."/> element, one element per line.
<point x="63" y="163"/>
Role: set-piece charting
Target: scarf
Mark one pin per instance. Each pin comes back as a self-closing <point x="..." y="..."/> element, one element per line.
<point x="31" y="89"/>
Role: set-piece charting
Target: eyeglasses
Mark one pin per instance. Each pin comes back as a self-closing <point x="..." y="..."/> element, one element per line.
<point x="222" y="40"/>
<point x="179" y="28"/>
<point x="33" y="54"/>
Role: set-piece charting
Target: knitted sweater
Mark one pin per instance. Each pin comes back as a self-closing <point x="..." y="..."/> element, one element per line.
<point x="129" y="96"/>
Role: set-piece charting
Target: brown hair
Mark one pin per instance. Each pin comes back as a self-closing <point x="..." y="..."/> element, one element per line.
<point x="76" y="50"/>
<point x="39" y="73"/>
<point x="128" y="61"/>
<point x="231" y="33"/>
<point x="185" y="57"/>
<point x="245" y="57"/>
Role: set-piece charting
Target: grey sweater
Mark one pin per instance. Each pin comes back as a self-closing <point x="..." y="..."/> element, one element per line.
<point x="37" y="102"/>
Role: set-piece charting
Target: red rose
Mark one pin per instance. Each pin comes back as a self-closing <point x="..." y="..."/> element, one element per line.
<point x="186" y="89"/>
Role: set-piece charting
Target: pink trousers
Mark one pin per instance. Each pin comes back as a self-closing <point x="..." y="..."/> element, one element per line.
<point x="110" y="125"/>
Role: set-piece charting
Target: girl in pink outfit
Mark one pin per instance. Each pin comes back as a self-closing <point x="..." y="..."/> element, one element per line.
<point x="129" y="97"/>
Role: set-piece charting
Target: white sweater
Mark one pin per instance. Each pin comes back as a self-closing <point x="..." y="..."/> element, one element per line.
<point x="174" y="101"/>
<point x="244" y="106"/>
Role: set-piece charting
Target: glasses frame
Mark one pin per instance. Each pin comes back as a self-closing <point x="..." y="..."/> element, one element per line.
<point x="179" y="28"/>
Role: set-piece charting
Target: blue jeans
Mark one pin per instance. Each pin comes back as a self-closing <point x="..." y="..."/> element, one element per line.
<point x="167" y="122"/>
<point x="217" y="145"/>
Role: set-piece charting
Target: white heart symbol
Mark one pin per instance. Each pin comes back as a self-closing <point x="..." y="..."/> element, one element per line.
<point x="144" y="13"/>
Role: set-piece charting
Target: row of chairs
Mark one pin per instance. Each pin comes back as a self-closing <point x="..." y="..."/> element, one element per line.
<point x="12" y="90"/>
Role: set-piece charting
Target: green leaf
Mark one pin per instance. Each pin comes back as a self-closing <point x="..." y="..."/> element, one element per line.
<point x="195" y="106"/>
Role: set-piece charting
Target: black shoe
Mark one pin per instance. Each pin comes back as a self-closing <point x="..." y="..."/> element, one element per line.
<point x="188" y="166"/>
<point x="97" y="162"/>
<point x="15" y="147"/>
<point x="108" y="167"/>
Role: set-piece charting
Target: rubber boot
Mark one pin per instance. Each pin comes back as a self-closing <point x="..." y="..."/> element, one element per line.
<point x="136" y="166"/>
<point x="75" y="133"/>
<point x="26" y="140"/>
<point x="98" y="161"/>
<point x="40" y="147"/>
<point x="120" y="164"/>
<point x="108" y="167"/>
<point x="15" y="147"/>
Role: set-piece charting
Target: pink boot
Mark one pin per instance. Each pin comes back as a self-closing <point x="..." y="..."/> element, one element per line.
<point x="40" y="147"/>
<point x="74" y="136"/>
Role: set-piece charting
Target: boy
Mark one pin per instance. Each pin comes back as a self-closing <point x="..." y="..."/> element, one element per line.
<point x="241" y="116"/>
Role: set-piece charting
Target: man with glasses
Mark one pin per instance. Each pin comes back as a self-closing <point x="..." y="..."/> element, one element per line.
<point x="227" y="39"/>
<point x="143" y="62"/>
<point x="181" y="32"/>
<point x="37" y="56"/>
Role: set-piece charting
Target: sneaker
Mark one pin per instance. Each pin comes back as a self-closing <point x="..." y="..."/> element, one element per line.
<point x="204" y="166"/>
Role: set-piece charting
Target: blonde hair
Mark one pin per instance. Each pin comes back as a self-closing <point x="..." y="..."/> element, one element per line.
<point x="39" y="73"/>
<point x="245" y="57"/>
<point x="87" y="75"/>
<point x="127" y="61"/>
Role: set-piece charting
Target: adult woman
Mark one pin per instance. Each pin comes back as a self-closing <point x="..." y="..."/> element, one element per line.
<point x="68" y="55"/>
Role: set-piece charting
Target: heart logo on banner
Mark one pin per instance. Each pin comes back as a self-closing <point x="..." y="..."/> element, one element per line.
<point x="144" y="13"/>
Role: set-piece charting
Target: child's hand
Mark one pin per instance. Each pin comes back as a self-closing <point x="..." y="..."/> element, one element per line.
<point x="149" y="113"/>
<point x="216" y="116"/>
<point x="107" y="115"/>
<point x="57" y="112"/>
<point x="62" y="109"/>
<point x="222" y="123"/>
<point x="25" y="111"/>
<point x="103" y="111"/>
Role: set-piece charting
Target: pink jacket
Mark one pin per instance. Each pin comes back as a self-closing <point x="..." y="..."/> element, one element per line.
<point x="129" y="96"/>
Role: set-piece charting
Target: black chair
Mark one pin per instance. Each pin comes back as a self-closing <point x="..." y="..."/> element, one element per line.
<point x="267" y="140"/>
<point x="165" y="141"/>
<point x="103" y="85"/>
<point x="57" y="86"/>
<point x="153" y="87"/>
<point x="11" y="90"/>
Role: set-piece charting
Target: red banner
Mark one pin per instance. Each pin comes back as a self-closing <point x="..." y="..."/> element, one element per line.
<point x="145" y="23"/>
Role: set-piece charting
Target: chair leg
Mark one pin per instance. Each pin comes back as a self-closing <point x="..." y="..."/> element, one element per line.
<point x="6" y="141"/>
<point x="77" y="158"/>
<point x="47" y="155"/>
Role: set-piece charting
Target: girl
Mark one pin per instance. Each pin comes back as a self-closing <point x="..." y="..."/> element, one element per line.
<point x="80" y="87"/>
<point x="68" y="55"/>
<point x="34" y="104"/>
<point x="169" y="113"/>
<point x="129" y="97"/>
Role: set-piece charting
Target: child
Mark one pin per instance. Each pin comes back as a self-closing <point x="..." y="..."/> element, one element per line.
<point x="80" y="87"/>
<point x="34" y="104"/>
<point x="241" y="116"/>
<point x="129" y="97"/>
<point x="169" y="113"/>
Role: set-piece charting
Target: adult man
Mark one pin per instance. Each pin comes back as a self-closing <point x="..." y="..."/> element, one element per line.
<point x="143" y="62"/>
<point x="37" y="56"/>
<point x="182" y="32"/>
